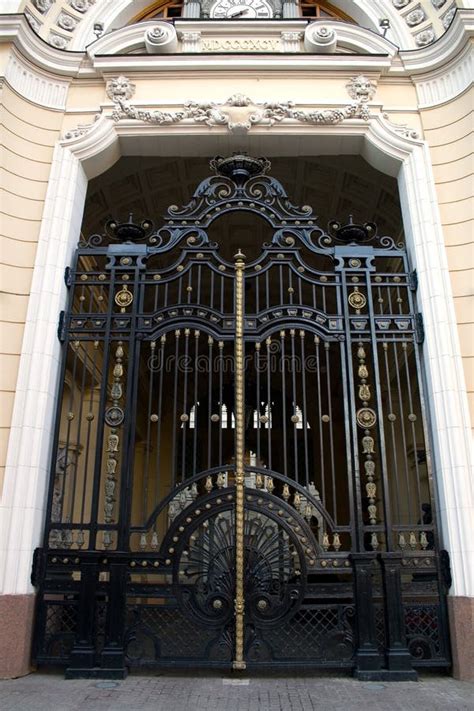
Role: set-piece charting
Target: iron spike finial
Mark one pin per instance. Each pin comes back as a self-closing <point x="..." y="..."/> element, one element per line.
<point x="239" y="256"/>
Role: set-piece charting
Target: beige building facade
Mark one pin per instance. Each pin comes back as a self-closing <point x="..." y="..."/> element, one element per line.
<point x="96" y="94"/>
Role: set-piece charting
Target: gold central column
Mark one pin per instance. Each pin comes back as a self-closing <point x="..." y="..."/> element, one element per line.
<point x="239" y="662"/>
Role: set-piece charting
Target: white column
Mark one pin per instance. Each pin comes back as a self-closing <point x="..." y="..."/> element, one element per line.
<point x="290" y="9"/>
<point x="446" y="390"/>
<point x="192" y="8"/>
<point x="29" y="451"/>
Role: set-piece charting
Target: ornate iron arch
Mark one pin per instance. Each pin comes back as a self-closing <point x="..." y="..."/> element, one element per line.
<point x="241" y="470"/>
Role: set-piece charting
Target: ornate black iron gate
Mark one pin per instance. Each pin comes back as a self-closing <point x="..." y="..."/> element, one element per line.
<point x="241" y="472"/>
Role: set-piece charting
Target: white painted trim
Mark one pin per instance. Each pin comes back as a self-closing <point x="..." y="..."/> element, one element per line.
<point x="39" y="88"/>
<point x="92" y="153"/>
<point x="16" y="29"/>
<point x="367" y="13"/>
<point x="447" y="397"/>
<point x="447" y="82"/>
<point x="11" y="6"/>
<point x="29" y="450"/>
<point x="349" y="37"/>
<point x="425" y="61"/>
<point x="443" y="50"/>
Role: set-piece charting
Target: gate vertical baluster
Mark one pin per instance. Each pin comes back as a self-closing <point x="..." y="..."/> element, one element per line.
<point x="294" y="416"/>
<point x="185" y="416"/>
<point x="283" y="401"/>
<point x="268" y="414"/>
<point x="258" y="399"/>
<point x="239" y="662"/>
<point x="304" y="405"/>
<point x="195" y="399"/>
<point x="368" y="660"/>
<point x="320" y="421"/>
<point x="399" y="659"/>
<point x="174" y="466"/>
<point x="210" y="356"/>
<point x="113" y="654"/>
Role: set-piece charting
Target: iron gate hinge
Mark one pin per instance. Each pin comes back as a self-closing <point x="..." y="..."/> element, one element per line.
<point x="68" y="276"/>
<point x="445" y="566"/>
<point x="62" y="327"/>
<point x="419" y="328"/>
<point x="413" y="280"/>
<point x="37" y="567"/>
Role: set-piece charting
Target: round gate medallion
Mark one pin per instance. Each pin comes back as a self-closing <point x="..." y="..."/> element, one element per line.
<point x="114" y="416"/>
<point x="124" y="297"/>
<point x="366" y="417"/>
<point x="357" y="300"/>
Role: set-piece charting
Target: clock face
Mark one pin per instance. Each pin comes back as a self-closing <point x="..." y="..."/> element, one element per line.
<point x="241" y="9"/>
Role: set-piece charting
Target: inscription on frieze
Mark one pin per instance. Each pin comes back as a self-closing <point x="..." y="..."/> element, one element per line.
<point x="244" y="44"/>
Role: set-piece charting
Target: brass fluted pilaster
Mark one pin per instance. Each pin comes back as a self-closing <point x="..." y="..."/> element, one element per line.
<point x="239" y="662"/>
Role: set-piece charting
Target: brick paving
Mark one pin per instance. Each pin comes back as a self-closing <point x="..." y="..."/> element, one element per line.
<point x="208" y="692"/>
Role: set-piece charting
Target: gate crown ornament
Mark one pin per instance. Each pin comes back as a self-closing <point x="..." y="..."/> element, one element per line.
<point x="129" y="231"/>
<point x="352" y="233"/>
<point x="240" y="167"/>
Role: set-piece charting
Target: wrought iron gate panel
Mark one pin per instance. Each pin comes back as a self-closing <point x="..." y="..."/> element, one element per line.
<point x="241" y="471"/>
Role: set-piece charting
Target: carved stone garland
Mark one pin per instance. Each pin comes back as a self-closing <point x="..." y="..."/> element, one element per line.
<point x="239" y="113"/>
<point x="214" y="114"/>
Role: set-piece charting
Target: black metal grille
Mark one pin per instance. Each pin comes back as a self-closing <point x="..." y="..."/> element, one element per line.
<point x="164" y="634"/>
<point x="137" y="565"/>
<point x="60" y="623"/>
<point x="317" y="634"/>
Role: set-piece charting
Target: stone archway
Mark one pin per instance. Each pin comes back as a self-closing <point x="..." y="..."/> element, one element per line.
<point x="92" y="153"/>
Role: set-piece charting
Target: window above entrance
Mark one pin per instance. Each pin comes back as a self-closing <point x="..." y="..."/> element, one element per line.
<point x="162" y="9"/>
<point x="73" y="25"/>
<point x="322" y="11"/>
<point x="239" y="9"/>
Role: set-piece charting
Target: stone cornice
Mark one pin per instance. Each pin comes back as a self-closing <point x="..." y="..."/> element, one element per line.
<point x="35" y="85"/>
<point x="444" y="50"/>
<point x="446" y="82"/>
<point x="427" y="66"/>
<point x="193" y="63"/>
<point x="16" y="29"/>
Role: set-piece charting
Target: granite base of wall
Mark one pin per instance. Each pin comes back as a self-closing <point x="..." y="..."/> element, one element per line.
<point x="16" y="615"/>
<point x="461" y="623"/>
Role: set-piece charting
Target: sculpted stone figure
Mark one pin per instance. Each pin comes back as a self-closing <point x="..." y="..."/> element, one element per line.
<point x="361" y="88"/>
<point x="120" y="89"/>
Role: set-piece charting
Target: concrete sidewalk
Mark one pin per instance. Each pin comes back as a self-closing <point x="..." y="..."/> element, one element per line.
<point x="213" y="692"/>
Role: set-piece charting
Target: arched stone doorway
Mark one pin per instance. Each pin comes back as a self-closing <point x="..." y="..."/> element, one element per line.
<point x="241" y="427"/>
